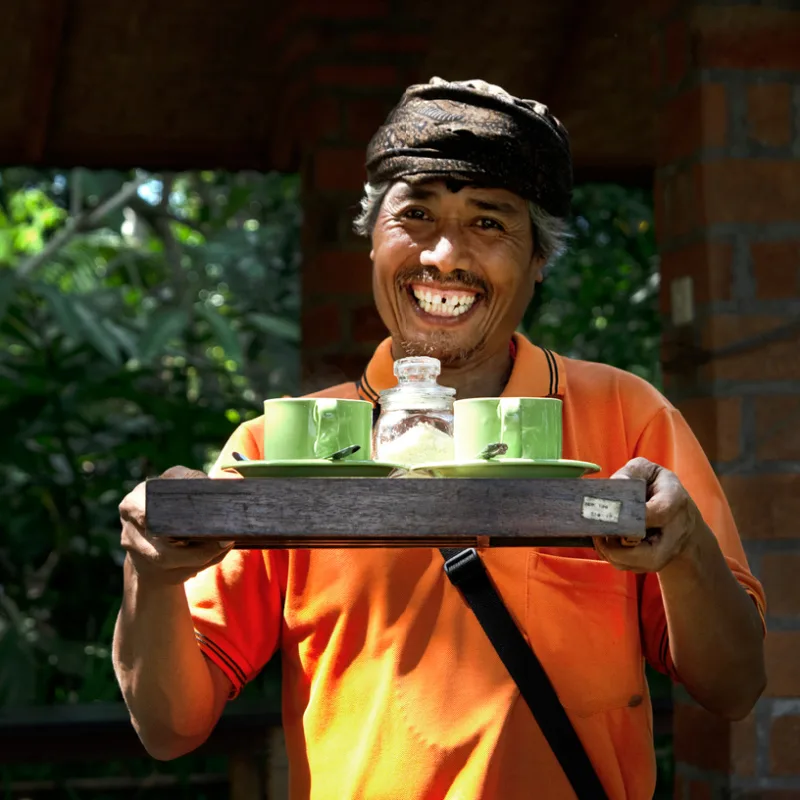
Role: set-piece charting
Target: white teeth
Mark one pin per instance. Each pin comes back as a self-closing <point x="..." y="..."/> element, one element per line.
<point x="443" y="305"/>
<point x="446" y="309"/>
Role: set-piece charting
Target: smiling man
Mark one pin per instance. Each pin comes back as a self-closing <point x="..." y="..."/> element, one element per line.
<point x="391" y="687"/>
<point x="454" y="269"/>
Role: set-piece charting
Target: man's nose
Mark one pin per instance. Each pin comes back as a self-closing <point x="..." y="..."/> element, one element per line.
<point x="446" y="252"/>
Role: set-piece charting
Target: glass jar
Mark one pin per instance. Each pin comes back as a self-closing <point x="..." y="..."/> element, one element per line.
<point x="415" y="425"/>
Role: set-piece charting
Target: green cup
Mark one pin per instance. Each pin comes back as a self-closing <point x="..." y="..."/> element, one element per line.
<point x="312" y="428"/>
<point x="529" y="426"/>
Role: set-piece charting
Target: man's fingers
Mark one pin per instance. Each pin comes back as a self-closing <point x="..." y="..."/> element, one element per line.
<point x="221" y="554"/>
<point x="625" y="557"/>
<point x="667" y="499"/>
<point x="197" y="554"/>
<point x="659" y="512"/>
<point x="638" y="469"/>
<point x="132" y="507"/>
<point x="183" y="472"/>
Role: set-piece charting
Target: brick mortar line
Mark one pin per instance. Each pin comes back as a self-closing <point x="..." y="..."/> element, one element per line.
<point x="795" y="122"/>
<point x="725" y="389"/>
<point x="785" y="315"/>
<point x="723" y="75"/>
<point x="782" y="782"/>
<point x="783" y="706"/>
<point x="745" y="75"/>
<point x="759" y="548"/>
<point x="763" y="715"/>
<point x="754" y="561"/>
<point x="788" y="308"/>
<point x="727" y="231"/>
<point x="790" y="5"/>
<point x="748" y="439"/>
<point x="726" y="785"/>
<point x="742" y="468"/>
<point x="714" y="155"/>
<point x="736" y="95"/>
<point x="783" y="623"/>
<point x="743" y="285"/>
<point x="718" y="781"/>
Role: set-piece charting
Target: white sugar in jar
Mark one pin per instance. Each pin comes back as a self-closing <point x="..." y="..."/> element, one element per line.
<point x="415" y="425"/>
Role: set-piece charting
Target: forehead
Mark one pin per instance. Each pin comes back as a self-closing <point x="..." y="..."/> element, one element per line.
<point x="471" y="194"/>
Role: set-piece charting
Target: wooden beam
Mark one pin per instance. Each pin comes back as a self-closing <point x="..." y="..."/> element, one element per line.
<point x="368" y="512"/>
<point x="45" y="54"/>
<point x="103" y="731"/>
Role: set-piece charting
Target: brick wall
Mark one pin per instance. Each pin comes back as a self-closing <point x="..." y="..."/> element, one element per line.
<point x="728" y="220"/>
<point x="350" y="63"/>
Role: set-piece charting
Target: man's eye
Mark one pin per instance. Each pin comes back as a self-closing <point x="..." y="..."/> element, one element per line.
<point x="487" y="223"/>
<point x="414" y="213"/>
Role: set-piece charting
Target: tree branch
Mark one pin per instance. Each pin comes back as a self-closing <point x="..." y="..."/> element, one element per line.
<point x="151" y="214"/>
<point x="86" y="221"/>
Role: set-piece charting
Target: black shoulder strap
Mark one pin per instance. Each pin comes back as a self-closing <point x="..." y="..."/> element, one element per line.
<point x="468" y="574"/>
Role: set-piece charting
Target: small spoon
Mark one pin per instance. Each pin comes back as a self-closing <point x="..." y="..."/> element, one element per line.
<point x="343" y="453"/>
<point x="337" y="456"/>
<point x="492" y="450"/>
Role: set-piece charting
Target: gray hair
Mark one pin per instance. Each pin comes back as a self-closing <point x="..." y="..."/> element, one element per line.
<point x="550" y="233"/>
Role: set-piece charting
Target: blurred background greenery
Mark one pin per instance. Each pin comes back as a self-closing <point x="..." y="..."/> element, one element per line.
<point x="141" y="318"/>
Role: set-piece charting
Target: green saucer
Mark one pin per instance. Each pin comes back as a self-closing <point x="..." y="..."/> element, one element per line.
<point x="509" y="468"/>
<point x="311" y="468"/>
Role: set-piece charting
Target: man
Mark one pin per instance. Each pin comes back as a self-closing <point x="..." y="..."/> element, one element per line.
<point x="391" y="688"/>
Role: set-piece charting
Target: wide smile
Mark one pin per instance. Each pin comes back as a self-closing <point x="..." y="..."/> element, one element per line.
<point x="441" y="305"/>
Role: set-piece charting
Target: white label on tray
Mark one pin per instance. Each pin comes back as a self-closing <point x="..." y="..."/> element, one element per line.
<point x="603" y="510"/>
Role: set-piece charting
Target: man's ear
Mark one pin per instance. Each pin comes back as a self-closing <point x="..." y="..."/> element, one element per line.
<point x="372" y="254"/>
<point x="538" y="264"/>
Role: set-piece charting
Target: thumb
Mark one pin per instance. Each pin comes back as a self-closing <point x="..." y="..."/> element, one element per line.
<point x="183" y="472"/>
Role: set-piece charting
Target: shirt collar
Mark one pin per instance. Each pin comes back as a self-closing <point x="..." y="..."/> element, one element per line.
<point x="537" y="372"/>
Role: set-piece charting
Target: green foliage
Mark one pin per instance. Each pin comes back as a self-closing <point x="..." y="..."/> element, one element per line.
<point x="135" y="346"/>
<point x="599" y="301"/>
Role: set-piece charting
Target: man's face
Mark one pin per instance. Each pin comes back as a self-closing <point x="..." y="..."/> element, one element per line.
<point x="454" y="268"/>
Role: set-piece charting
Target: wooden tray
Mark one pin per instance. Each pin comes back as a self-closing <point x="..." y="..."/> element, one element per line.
<point x="379" y="512"/>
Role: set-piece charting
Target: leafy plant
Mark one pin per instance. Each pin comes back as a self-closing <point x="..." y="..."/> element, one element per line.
<point x="140" y="317"/>
<point x="599" y="301"/>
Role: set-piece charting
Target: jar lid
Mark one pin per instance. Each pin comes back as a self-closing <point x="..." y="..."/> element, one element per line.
<point x="417" y="384"/>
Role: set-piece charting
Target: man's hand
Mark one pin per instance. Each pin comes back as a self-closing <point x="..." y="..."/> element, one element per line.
<point x="671" y="517"/>
<point x="159" y="559"/>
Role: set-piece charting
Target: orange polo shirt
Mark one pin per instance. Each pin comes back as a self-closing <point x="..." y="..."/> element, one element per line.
<point x="390" y="687"/>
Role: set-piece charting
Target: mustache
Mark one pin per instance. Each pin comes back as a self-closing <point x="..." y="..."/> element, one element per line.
<point x="458" y="277"/>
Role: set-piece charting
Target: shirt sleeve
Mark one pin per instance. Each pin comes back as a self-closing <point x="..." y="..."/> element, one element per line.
<point x="668" y="441"/>
<point x="237" y="605"/>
